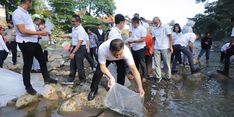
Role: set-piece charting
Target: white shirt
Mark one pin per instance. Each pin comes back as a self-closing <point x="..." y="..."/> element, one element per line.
<point x="185" y="39"/>
<point x="225" y="47"/>
<point x="115" y="33"/>
<point x="161" y="36"/>
<point x="145" y="24"/>
<point x="3" y="45"/>
<point x="138" y="33"/>
<point x="175" y="36"/>
<point x="104" y="54"/>
<point x="232" y="32"/>
<point x="100" y="31"/>
<point x="78" y="33"/>
<point x="21" y="16"/>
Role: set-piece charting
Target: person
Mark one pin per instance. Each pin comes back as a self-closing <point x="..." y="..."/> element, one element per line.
<point x="78" y="50"/>
<point x="114" y="50"/>
<point x="93" y="39"/>
<point x="227" y="54"/>
<point x="176" y="34"/>
<point x="11" y="43"/>
<point x="115" y="31"/>
<point x="180" y="45"/>
<point x="149" y="53"/>
<point x="206" y="43"/>
<point x="137" y="41"/>
<point x="3" y="48"/>
<point x="35" y="64"/>
<point x="87" y="54"/>
<point x="27" y="39"/>
<point x="162" y="43"/>
<point x="222" y="51"/>
<point x="100" y="34"/>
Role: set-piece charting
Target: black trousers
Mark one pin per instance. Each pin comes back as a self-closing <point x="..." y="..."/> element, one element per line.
<point x="93" y="53"/>
<point x="139" y="58"/>
<point x="30" y="50"/>
<point x="77" y="64"/>
<point x="229" y="53"/>
<point x="98" y="74"/>
<point x="222" y="56"/>
<point x="12" y="46"/>
<point x="3" y="56"/>
<point x="90" y="59"/>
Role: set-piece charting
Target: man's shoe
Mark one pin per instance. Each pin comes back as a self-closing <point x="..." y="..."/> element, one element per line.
<point x="36" y="71"/>
<point x="195" y="71"/>
<point x="222" y="72"/>
<point x="69" y="81"/>
<point x="31" y="91"/>
<point x="50" y="80"/>
<point x="91" y="95"/>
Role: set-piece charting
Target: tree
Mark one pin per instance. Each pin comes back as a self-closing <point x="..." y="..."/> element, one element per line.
<point x="216" y="19"/>
<point x="98" y="7"/>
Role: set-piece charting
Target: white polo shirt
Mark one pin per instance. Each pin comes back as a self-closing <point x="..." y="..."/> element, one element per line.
<point x="115" y="33"/>
<point x="21" y="16"/>
<point x="78" y="33"/>
<point x="138" y="33"/>
<point x="232" y="32"/>
<point x="185" y="39"/>
<point x="225" y="47"/>
<point x="105" y="54"/>
<point x="3" y="44"/>
<point x="176" y="36"/>
<point x="161" y="36"/>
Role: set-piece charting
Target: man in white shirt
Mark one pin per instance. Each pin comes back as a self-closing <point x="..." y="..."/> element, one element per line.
<point x="114" y="51"/>
<point x="115" y="32"/>
<point x="180" y="45"/>
<point x="27" y="39"/>
<point x="162" y="43"/>
<point x="137" y="41"/>
<point x="78" y="51"/>
<point x="228" y="53"/>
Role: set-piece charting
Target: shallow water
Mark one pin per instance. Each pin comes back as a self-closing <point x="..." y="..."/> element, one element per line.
<point x="213" y="97"/>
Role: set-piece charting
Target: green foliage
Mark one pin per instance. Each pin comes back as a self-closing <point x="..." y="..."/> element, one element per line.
<point x="216" y="19"/>
<point x="98" y="7"/>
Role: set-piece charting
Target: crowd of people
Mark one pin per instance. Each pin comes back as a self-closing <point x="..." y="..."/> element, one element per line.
<point x="148" y="45"/>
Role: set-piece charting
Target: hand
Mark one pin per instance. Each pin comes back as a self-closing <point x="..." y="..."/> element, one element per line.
<point x="111" y="82"/>
<point x="206" y="43"/>
<point x="72" y="56"/>
<point x="88" y="50"/>
<point x="171" y="49"/>
<point x="141" y="91"/>
<point x="43" y="33"/>
<point x="151" y="51"/>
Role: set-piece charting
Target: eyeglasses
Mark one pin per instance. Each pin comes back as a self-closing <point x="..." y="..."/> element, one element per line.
<point x="73" y="21"/>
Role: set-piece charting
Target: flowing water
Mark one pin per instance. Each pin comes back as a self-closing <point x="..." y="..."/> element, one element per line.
<point x="211" y="97"/>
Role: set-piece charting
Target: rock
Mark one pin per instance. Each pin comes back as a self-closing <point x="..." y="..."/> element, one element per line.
<point x="66" y="92"/>
<point x="50" y="92"/>
<point x="177" y="77"/>
<point x="54" y="57"/>
<point x="69" y="106"/>
<point x="78" y="101"/>
<point x="195" y="77"/>
<point x="26" y="100"/>
<point x="56" y="63"/>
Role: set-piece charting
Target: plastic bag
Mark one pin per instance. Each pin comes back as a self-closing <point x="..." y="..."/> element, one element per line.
<point x="125" y="101"/>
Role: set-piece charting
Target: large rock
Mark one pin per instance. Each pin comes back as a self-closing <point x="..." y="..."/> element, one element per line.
<point x="78" y="101"/>
<point x="54" y="57"/>
<point x="195" y="77"/>
<point x="50" y="92"/>
<point x="66" y="92"/>
<point x="26" y="100"/>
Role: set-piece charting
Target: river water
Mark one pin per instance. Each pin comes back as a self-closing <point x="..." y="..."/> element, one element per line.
<point x="211" y="97"/>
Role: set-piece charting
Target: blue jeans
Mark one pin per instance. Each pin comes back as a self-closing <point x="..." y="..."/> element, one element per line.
<point x="177" y="50"/>
<point x="207" y="51"/>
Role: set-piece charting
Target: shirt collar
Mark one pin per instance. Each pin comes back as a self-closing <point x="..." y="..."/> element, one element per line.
<point x="19" y="7"/>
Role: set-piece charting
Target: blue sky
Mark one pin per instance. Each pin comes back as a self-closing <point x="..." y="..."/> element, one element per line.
<point x="167" y="10"/>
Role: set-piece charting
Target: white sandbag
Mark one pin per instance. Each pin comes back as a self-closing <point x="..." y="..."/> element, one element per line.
<point x="125" y="101"/>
